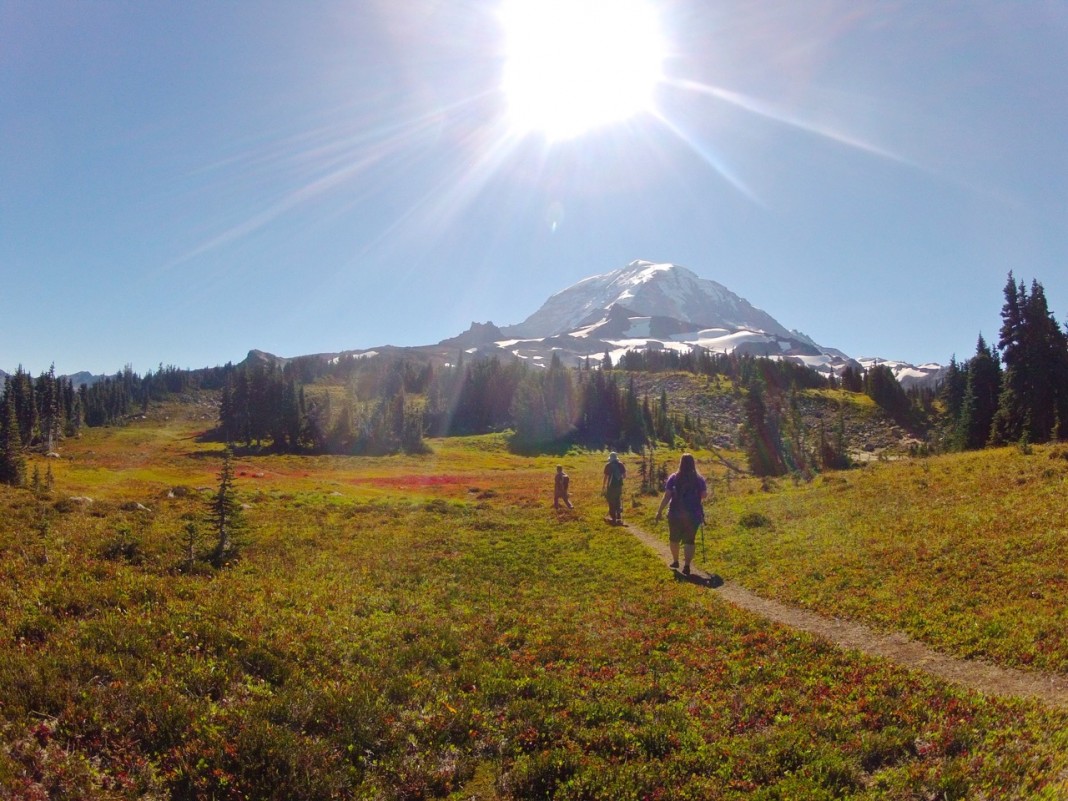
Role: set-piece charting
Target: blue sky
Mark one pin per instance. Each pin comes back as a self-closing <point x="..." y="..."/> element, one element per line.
<point x="181" y="182"/>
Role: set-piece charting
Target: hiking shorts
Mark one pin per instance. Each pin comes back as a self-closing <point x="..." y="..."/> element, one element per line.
<point x="682" y="529"/>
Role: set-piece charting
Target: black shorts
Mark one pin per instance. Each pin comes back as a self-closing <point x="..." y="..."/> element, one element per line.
<point x="682" y="529"/>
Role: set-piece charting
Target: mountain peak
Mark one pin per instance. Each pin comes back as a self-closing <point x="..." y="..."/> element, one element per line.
<point x="646" y="288"/>
<point x="477" y="334"/>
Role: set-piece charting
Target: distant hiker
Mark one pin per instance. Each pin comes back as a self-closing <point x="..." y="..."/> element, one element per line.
<point x="612" y="487"/>
<point x="560" y="484"/>
<point x="684" y="493"/>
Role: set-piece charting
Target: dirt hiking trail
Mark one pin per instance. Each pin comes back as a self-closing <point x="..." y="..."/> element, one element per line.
<point x="1050" y="689"/>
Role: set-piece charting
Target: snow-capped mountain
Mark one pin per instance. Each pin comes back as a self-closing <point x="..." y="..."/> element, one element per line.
<point x="660" y="307"/>
<point x="647" y="306"/>
<point x="646" y="289"/>
<point x="908" y="375"/>
<point x="644" y="306"/>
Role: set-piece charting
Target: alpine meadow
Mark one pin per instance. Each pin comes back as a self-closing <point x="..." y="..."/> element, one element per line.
<point x="533" y="400"/>
<point x="344" y="578"/>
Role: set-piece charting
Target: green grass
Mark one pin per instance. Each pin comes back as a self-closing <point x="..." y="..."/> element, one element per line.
<point x="967" y="552"/>
<point x="430" y="628"/>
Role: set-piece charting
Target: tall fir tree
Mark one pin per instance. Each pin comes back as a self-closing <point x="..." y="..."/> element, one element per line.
<point x="227" y="414"/>
<point x="1034" y="350"/>
<point x="25" y="406"/>
<point x="952" y="390"/>
<point x="982" y="391"/>
<point x="12" y="462"/>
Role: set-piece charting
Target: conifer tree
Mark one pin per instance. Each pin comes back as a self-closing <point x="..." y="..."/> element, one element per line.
<point x="852" y="380"/>
<point x="543" y="407"/>
<point x="343" y="430"/>
<point x="601" y="415"/>
<point x="317" y="424"/>
<point x="292" y="416"/>
<point x="532" y="418"/>
<point x="21" y="386"/>
<point x="49" y="410"/>
<point x="411" y="434"/>
<point x="12" y="462"/>
<point x="224" y="512"/>
<point x="634" y="434"/>
<point x="560" y="399"/>
<point x="761" y="433"/>
<point x="227" y="416"/>
<point x="795" y="436"/>
<point x="882" y="386"/>
<point x="665" y="431"/>
<point x="981" y="395"/>
<point x="834" y="455"/>
<point x="648" y="419"/>
<point x="262" y="412"/>
<point x="1034" y="351"/>
<point x="952" y="390"/>
<point x="240" y="428"/>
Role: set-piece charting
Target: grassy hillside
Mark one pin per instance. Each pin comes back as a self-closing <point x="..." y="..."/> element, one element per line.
<point x="968" y="552"/>
<point x="428" y="627"/>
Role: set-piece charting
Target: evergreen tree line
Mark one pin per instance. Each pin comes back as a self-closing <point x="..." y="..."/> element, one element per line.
<point x="1018" y="391"/>
<point x="774" y="436"/>
<point x="779" y="374"/>
<point x="779" y="377"/>
<point x="559" y="407"/>
<point x="34" y="414"/>
<point x="387" y="404"/>
<point x="39" y="413"/>
<point x="369" y="412"/>
<point x="112" y="399"/>
<point x="777" y="441"/>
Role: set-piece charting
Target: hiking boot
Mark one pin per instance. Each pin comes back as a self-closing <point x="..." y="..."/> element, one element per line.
<point x="674" y="565"/>
<point x="685" y="570"/>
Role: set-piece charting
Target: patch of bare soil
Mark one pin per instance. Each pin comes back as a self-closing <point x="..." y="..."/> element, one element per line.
<point x="1050" y="689"/>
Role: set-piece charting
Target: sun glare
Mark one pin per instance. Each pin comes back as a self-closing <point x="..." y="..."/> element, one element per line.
<point x="575" y="65"/>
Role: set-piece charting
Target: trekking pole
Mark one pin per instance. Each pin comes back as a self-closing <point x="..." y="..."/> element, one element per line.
<point x="704" y="550"/>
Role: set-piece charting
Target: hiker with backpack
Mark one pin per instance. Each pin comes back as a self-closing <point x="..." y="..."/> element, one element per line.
<point x="684" y="494"/>
<point x="560" y="484"/>
<point x="612" y="488"/>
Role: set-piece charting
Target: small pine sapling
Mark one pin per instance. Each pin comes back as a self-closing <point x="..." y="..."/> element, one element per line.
<point x="224" y="513"/>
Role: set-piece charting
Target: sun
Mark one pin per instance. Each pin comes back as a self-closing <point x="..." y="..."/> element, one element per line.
<point x="575" y="65"/>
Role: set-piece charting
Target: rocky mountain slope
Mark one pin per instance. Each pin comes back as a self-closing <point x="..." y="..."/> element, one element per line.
<point x="662" y="291"/>
<point x="660" y="307"/>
